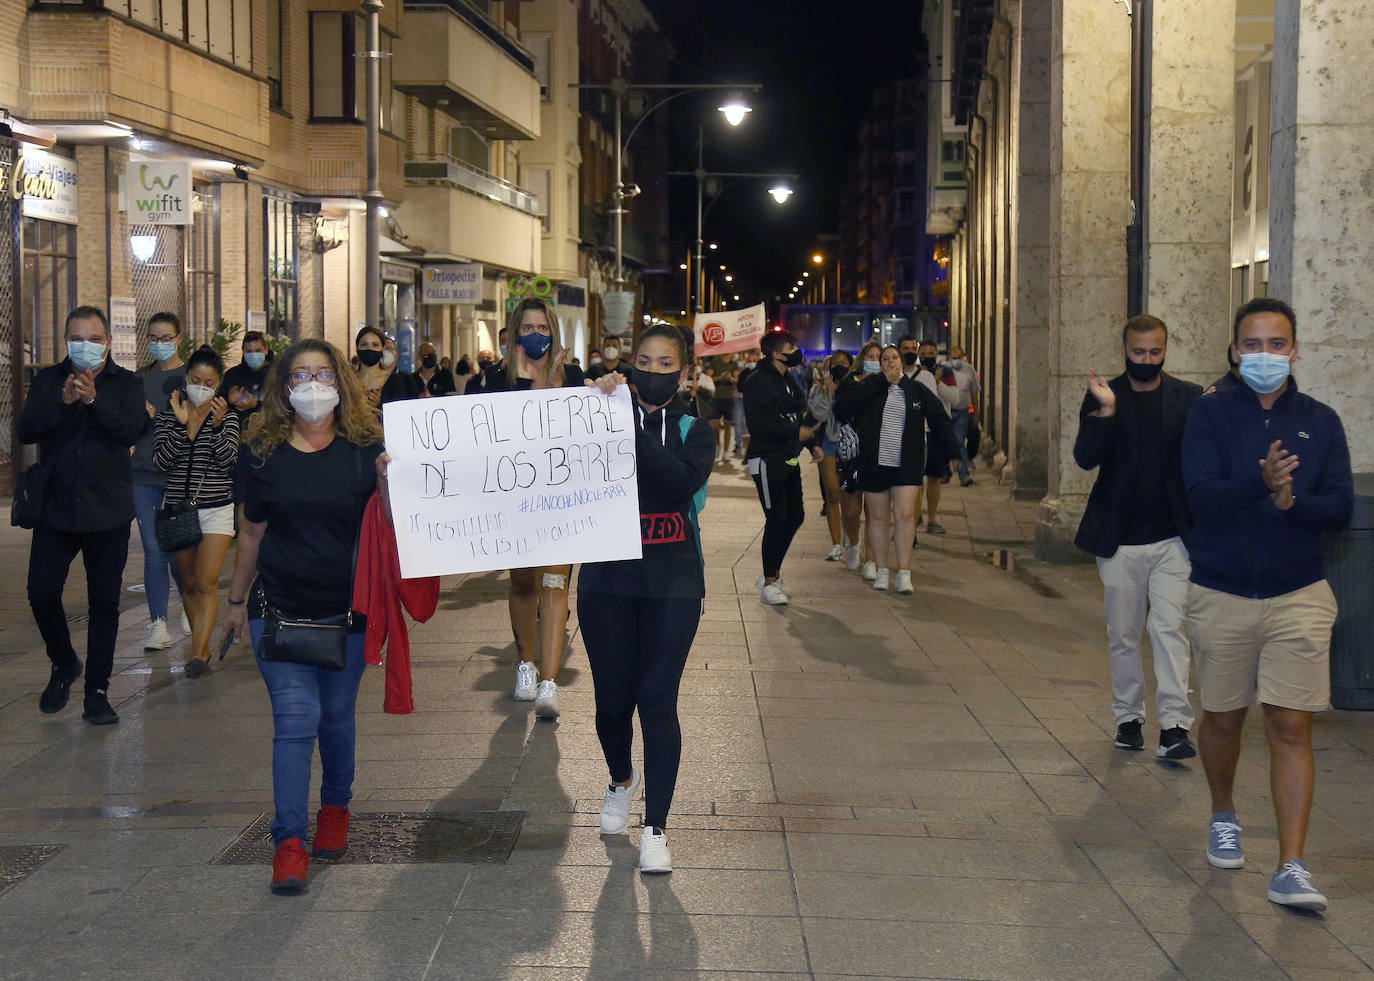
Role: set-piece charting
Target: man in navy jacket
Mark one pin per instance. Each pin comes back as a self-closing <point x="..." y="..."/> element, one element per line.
<point x="1267" y="471"/>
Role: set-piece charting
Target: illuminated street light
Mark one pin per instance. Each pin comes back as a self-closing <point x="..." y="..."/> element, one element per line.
<point x="780" y="192"/>
<point x="714" y="246"/>
<point x="818" y="258"/>
<point x="682" y="265"/>
<point x="805" y="274"/>
<point x="729" y="279"/>
<point x="734" y="110"/>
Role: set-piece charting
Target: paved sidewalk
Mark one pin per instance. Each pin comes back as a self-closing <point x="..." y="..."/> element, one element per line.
<point x="872" y="785"/>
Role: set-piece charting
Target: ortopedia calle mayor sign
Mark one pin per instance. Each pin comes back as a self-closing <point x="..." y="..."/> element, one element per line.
<point x="158" y="192"/>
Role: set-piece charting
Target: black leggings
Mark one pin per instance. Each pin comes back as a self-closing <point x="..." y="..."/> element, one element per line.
<point x="637" y="649"/>
<point x="780" y="493"/>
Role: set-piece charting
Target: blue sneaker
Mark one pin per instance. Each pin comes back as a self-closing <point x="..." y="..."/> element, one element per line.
<point x="1223" y="844"/>
<point x="1292" y="886"/>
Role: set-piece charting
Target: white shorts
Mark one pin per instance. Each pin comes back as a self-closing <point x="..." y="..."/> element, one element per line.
<point x="217" y="521"/>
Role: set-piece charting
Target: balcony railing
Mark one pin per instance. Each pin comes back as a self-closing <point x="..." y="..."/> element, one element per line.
<point x="444" y="169"/>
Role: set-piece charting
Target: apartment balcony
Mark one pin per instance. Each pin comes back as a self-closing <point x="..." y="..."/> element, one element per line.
<point x="87" y="61"/>
<point x="454" y="209"/>
<point x="452" y="58"/>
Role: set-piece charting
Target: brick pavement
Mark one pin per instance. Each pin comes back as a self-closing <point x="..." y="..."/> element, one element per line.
<point x="872" y="785"/>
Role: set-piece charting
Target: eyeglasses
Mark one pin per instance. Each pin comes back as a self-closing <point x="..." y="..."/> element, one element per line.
<point x="304" y="376"/>
<point x="165" y="339"/>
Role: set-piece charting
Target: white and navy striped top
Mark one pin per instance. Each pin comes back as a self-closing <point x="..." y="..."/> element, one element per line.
<point x="894" y="421"/>
<point x="212" y="467"/>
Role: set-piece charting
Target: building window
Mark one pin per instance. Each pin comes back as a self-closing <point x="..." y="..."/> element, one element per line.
<point x="536" y="181"/>
<point x="157" y="274"/>
<point x="275" y="32"/>
<point x="338" y="79"/>
<point x="202" y="264"/>
<point x="49" y="289"/>
<point x="464" y="144"/>
<point x="279" y="254"/>
<point x="542" y="50"/>
<point x="222" y="28"/>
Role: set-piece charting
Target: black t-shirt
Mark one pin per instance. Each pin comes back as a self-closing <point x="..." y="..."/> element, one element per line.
<point x="1149" y="519"/>
<point x="597" y="370"/>
<point x="440" y="383"/>
<point x="313" y="504"/>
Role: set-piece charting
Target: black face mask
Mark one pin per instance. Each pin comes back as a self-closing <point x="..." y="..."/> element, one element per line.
<point x="1143" y="372"/>
<point x="655" y="387"/>
<point x="839" y="372"/>
<point x="430" y="360"/>
<point x="793" y="360"/>
<point x="928" y="364"/>
<point x="909" y="358"/>
<point x="370" y="358"/>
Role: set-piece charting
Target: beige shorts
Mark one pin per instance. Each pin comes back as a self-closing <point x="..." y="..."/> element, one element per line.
<point x="1279" y="647"/>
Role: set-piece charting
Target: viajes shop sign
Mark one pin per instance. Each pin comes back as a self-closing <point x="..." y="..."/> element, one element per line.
<point x="47" y="184"/>
<point x="158" y="192"/>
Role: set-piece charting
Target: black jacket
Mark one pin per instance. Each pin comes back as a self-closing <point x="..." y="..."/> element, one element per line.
<point x="495" y="379"/>
<point x="1105" y="444"/>
<point x="861" y="403"/>
<point x="774" y="405"/>
<point x="86" y="448"/>
<point x="669" y="471"/>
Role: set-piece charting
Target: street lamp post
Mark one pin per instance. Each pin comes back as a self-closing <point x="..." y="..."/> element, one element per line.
<point x="373" y="195"/>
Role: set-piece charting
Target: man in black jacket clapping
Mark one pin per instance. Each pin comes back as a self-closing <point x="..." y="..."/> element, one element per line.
<point x="84" y="413"/>
<point x="1136" y="523"/>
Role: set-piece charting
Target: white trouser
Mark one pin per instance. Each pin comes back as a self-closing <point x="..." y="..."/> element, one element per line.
<point x="1154" y="578"/>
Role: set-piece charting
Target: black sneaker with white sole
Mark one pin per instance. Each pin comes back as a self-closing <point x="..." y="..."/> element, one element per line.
<point x="1129" y="736"/>
<point x="1174" y="744"/>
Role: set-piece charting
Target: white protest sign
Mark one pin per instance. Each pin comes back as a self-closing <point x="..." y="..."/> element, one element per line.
<point x="729" y="331"/>
<point x="124" y="331"/>
<point x="512" y="480"/>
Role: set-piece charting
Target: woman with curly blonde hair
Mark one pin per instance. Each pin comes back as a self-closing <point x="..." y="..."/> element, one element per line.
<point x="536" y="359"/>
<point x="306" y="471"/>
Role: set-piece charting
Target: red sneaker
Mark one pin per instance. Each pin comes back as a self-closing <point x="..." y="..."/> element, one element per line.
<point x="331" y="832"/>
<point x="289" y="866"/>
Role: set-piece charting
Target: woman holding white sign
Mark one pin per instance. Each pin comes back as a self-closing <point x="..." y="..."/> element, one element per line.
<point x="639" y="616"/>
<point x="307" y="468"/>
<point x="534" y="359"/>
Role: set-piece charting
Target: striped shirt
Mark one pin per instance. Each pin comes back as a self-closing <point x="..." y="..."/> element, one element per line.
<point x="894" y="421"/>
<point x="212" y="465"/>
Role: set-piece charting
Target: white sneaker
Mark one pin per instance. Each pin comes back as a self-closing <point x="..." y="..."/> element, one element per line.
<point x="615" y="813"/>
<point x="880" y="581"/>
<point x="773" y="595"/>
<point x="158" y="637"/>
<point x="546" y="701"/>
<point x="526" y="675"/>
<point x="759" y="584"/>
<point x="904" y="581"/>
<point x="185" y="624"/>
<point x="870" y="571"/>
<point x="851" y="558"/>
<point x="654" y="856"/>
<point x="835" y="554"/>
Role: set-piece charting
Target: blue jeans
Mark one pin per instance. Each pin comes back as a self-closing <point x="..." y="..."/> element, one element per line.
<point x="308" y="703"/>
<point x="961" y="420"/>
<point x="741" y="427"/>
<point x="158" y="567"/>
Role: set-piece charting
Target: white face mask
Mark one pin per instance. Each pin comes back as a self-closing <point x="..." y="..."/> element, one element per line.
<point x="611" y="353"/>
<point x="314" y="401"/>
<point x="199" y="394"/>
<point x="388" y="359"/>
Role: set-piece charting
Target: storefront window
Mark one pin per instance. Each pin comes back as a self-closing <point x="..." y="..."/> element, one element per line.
<point x="156" y="276"/>
<point x="279" y="227"/>
<point x="49" y="288"/>
<point x="202" y="264"/>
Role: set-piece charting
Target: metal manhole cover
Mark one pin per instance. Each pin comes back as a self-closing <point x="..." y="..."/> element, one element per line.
<point x="399" y="838"/>
<point x="19" y="861"/>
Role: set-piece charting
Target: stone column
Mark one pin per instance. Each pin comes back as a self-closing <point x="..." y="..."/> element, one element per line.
<point x="1090" y="85"/>
<point x="1030" y="244"/>
<point x="1191" y="139"/>
<point x="1321" y="209"/>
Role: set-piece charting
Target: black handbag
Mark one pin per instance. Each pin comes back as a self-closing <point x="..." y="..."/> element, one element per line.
<point x="26" y="508"/>
<point x="320" y="642"/>
<point x="177" y="528"/>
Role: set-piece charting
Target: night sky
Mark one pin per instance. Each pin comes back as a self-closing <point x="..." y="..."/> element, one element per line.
<point x="819" y="64"/>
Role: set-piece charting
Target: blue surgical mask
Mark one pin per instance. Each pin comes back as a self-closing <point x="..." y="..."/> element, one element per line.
<point x="536" y="345"/>
<point x="956" y="363"/>
<point x="1264" y="372"/>
<point x="872" y="367"/>
<point x="162" y="350"/>
<point x="255" y="359"/>
<point x="86" y="355"/>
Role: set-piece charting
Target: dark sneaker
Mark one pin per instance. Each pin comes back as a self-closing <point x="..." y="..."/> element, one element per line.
<point x="97" y="710"/>
<point x="1292" y="886"/>
<point x="54" y="697"/>
<point x="1174" y="744"/>
<point x="1129" y="736"/>
<point x="966" y="482"/>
